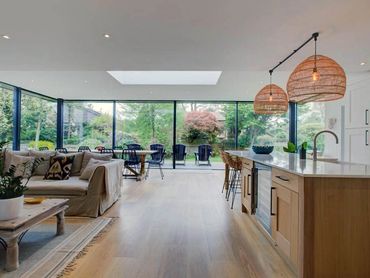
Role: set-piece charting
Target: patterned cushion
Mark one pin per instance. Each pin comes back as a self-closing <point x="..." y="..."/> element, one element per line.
<point x="60" y="168"/>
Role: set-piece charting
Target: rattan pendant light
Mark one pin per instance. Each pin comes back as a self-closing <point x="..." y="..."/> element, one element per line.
<point x="318" y="78"/>
<point x="271" y="100"/>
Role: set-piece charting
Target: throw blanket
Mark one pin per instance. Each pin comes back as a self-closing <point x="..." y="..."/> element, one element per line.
<point x="113" y="182"/>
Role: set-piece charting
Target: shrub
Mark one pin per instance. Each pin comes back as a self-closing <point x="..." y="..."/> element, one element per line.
<point x="36" y="145"/>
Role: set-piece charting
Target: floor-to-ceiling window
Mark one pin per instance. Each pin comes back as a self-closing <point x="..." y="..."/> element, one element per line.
<point x="256" y="129"/>
<point x="87" y="124"/>
<point x="145" y="123"/>
<point x="6" y="114"/>
<point x="200" y="123"/>
<point x="38" y="121"/>
<point x="310" y="120"/>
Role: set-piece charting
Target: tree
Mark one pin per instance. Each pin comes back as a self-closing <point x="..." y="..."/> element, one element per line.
<point x="6" y="115"/>
<point x="201" y="126"/>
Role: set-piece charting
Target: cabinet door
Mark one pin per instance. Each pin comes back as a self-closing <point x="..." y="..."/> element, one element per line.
<point x="358" y="105"/>
<point x="358" y="145"/>
<point x="247" y="189"/>
<point x="285" y="220"/>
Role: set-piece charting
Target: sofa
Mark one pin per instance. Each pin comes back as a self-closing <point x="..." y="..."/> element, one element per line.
<point x="91" y="197"/>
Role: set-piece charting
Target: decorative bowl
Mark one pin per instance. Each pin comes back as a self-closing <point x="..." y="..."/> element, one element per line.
<point x="263" y="149"/>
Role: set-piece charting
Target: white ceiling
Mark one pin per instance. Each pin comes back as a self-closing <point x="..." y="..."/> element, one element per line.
<point x="57" y="47"/>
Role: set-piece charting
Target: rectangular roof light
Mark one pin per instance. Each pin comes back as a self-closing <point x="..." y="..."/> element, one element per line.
<point x="166" y="77"/>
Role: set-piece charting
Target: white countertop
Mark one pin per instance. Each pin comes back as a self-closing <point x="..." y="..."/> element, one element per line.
<point x="307" y="168"/>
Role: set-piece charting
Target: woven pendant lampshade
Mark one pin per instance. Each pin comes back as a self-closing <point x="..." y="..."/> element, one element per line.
<point x="271" y="100"/>
<point x="326" y="84"/>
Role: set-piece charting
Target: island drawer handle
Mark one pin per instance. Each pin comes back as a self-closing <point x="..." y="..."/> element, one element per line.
<point x="366" y="138"/>
<point x="271" y="213"/>
<point x="248" y="185"/>
<point x="282" y="178"/>
<point x="367" y="117"/>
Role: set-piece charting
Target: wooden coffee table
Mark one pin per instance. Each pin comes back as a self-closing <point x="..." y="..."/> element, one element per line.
<point x="12" y="231"/>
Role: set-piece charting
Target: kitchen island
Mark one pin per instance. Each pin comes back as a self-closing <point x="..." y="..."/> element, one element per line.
<point x="319" y="212"/>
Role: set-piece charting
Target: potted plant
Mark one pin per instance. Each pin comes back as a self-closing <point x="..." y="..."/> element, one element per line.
<point x="12" y="187"/>
<point x="290" y="148"/>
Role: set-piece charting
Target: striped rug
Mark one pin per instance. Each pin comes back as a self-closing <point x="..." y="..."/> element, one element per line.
<point x="44" y="255"/>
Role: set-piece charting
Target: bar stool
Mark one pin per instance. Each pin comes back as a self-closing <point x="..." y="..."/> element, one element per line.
<point x="225" y="185"/>
<point x="235" y="184"/>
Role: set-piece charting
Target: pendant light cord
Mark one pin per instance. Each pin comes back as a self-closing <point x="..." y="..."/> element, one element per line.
<point x="315" y="38"/>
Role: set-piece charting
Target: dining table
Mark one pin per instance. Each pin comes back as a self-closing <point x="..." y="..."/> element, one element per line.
<point x="142" y="155"/>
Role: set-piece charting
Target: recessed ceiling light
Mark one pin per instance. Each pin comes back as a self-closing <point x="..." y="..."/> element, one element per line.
<point x="166" y="77"/>
<point x="7" y="37"/>
<point x="86" y="81"/>
<point x="107" y="36"/>
<point x="363" y="64"/>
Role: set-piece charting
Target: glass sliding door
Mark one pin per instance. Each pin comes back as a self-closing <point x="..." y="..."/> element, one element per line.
<point x="199" y="123"/>
<point x="145" y="123"/>
<point x="38" y="122"/>
<point x="87" y="124"/>
<point x="256" y="129"/>
<point x="310" y="120"/>
<point x="6" y="114"/>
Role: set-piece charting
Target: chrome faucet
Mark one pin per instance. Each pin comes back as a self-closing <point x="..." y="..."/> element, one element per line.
<point x="315" y="143"/>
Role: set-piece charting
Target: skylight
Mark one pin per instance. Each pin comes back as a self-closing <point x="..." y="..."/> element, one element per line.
<point x="166" y="77"/>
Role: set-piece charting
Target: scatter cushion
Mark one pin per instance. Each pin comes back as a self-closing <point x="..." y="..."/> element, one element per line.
<point x="45" y="161"/>
<point x="60" y="168"/>
<point x="9" y="155"/>
<point x="90" y="168"/>
<point x="77" y="162"/>
<point x="23" y="165"/>
<point x="97" y="156"/>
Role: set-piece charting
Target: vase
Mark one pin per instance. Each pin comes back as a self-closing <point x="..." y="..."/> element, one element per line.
<point x="11" y="208"/>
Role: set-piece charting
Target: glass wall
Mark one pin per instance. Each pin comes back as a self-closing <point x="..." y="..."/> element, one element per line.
<point x="145" y="123"/>
<point x="6" y="114"/>
<point x="256" y="129"/>
<point x="38" y="122"/>
<point x="87" y="124"/>
<point x="205" y="123"/>
<point x="311" y="119"/>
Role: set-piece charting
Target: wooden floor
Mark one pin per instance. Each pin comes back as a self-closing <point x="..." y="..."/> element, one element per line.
<point x="180" y="227"/>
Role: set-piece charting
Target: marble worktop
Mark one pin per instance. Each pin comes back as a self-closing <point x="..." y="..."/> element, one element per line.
<point x="307" y="168"/>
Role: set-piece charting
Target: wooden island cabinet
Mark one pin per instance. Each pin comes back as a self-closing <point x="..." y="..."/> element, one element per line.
<point x="320" y="213"/>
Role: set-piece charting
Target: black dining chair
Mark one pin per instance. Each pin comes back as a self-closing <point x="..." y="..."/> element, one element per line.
<point x="61" y="150"/>
<point x="131" y="161"/>
<point x="43" y="149"/>
<point x="180" y="153"/>
<point x="107" y="150"/>
<point x="203" y="154"/>
<point x="83" y="148"/>
<point x="157" y="158"/>
<point x="134" y="146"/>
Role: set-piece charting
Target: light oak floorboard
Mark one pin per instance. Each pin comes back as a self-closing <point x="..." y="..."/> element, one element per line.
<point x="181" y="226"/>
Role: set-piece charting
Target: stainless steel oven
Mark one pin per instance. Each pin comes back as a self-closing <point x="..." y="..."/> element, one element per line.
<point x="262" y="195"/>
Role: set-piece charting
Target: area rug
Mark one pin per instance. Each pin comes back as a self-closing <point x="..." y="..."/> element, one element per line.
<point x="42" y="254"/>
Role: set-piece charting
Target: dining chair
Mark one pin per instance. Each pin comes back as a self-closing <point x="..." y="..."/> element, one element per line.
<point x="157" y="158"/>
<point x="134" y="146"/>
<point x="84" y="148"/>
<point x="131" y="160"/>
<point x="61" y="150"/>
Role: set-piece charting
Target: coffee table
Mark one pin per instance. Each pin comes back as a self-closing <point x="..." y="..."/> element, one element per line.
<point x="12" y="231"/>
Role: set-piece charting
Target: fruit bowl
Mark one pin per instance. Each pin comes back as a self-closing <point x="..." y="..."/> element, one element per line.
<point x="263" y="149"/>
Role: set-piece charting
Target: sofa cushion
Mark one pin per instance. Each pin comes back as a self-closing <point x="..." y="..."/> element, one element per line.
<point x="71" y="187"/>
<point x="77" y="162"/>
<point x="90" y="168"/>
<point x="97" y="156"/>
<point x="8" y="157"/>
<point x="23" y="165"/>
<point x="60" y="168"/>
<point x="45" y="163"/>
